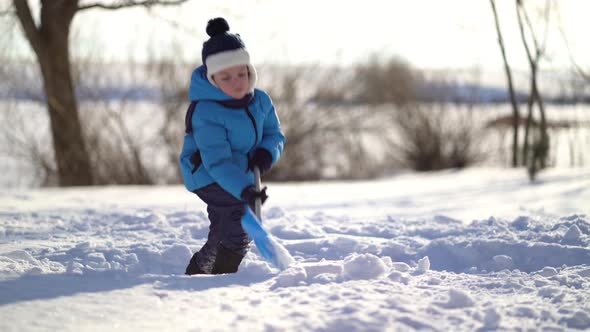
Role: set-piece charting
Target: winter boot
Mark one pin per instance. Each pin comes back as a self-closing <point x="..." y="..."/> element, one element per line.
<point x="226" y="261"/>
<point x="193" y="268"/>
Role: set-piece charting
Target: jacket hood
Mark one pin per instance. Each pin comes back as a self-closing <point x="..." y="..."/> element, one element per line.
<point x="201" y="89"/>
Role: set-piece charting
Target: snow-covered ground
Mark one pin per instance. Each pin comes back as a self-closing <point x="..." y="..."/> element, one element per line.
<point x="480" y="249"/>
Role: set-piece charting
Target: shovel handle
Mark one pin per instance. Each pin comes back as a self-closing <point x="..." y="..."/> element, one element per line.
<point x="257" y="202"/>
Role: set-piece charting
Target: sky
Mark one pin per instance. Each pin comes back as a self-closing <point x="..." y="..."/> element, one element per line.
<point x="426" y="33"/>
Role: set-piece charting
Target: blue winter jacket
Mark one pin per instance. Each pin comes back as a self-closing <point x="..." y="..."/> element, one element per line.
<point x="227" y="136"/>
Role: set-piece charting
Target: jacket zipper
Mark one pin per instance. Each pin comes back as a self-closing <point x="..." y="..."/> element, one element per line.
<point x="255" y="134"/>
<point x="253" y="125"/>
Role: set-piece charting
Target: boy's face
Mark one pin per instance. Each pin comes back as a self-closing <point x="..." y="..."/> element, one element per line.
<point x="233" y="81"/>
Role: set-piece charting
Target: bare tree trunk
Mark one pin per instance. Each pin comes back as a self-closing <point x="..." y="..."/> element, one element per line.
<point x="527" y="128"/>
<point x="540" y="152"/>
<point x="515" y="109"/>
<point x="50" y="44"/>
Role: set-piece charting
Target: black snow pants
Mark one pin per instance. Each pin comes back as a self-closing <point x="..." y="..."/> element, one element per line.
<point x="227" y="243"/>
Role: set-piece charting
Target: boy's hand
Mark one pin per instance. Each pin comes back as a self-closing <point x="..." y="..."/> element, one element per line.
<point x="250" y="194"/>
<point x="262" y="159"/>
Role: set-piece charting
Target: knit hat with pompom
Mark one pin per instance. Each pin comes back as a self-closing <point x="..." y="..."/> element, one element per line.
<point x="224" y="50"/>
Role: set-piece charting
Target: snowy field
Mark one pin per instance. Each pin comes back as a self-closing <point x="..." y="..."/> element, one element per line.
<point x="480" y="249"/>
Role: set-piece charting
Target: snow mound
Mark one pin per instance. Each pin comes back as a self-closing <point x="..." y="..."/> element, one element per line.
<point x="457" y="299"/>
<point x="293" y="276"/>
<point x="524" y="244"/>
<point x="255" y="267"/>
<point x="363" y="266"/>
<point x="176" y="257"/>
<point x="423" y="265"/>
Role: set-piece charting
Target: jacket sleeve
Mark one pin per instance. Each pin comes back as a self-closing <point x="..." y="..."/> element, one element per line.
<point x="216" y="155"/>
<point x="273" y="139"/>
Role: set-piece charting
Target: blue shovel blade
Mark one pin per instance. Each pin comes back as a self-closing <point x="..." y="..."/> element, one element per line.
<point x="261" y="237"/>
<point x="269" y="248"/>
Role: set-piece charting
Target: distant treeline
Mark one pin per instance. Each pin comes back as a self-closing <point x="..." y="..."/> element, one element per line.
<point x="109" y="82"/>
<point x="462" y="93"/>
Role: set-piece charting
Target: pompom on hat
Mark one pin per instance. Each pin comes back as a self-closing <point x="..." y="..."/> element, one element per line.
<point x="224" y="50"/>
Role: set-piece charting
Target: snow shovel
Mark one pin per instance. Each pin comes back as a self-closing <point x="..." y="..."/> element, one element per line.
<point x="268" y="246"/>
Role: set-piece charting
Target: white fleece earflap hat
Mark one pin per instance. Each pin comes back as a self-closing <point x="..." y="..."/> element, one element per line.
<point x="224" y="50"/>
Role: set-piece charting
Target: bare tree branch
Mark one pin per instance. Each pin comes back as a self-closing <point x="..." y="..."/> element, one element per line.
<point x="23" y="13"/>
<point x="508" y="71"/>
<point x="536" y="158"/>
<point x="173" y="23"/>
<point x="520" y="12"/>
<point x="540" y="48"/>
<point x="132" y="3"/>
<point x="547" y="15"/>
